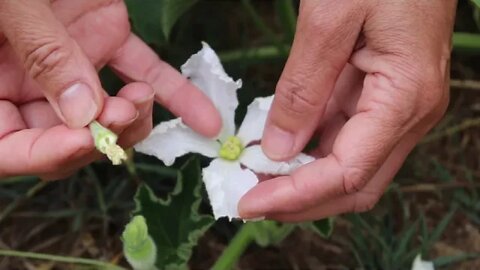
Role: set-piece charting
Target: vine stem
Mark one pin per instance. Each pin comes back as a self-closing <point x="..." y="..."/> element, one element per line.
<point x="240" y="242"/>
<point x="56" y="258"/>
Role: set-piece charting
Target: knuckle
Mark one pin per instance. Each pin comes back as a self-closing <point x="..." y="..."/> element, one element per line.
<point x="295" y="98"/>
<point x="423" y="89"/>
<point x="434" y="98"/>
<point x="408" y="94"/>
<point x="366" y="203"/>
<point x="46" y="55"/>
<point x="354" y="179"/>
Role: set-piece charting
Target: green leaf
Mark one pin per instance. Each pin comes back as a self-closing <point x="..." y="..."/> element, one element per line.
<point x="323" y="227"/>
<point x="153" y="20"/>
<point x="476" y="3"/>
<point x="175" y="224"/>
<point x="287" y="16"/>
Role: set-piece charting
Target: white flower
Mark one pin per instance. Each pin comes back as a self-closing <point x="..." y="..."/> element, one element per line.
<point x="225" y="179"/>
<point x="419" y="264"/>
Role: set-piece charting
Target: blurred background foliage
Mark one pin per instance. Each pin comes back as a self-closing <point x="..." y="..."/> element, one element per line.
<point x="432" y="207"/>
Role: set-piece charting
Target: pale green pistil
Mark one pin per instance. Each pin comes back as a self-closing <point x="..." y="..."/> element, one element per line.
<point x="106" y="142"/>
<point x="231" y="149"/>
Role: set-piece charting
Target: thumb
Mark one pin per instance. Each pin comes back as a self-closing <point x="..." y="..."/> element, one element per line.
<point x="51" y="57"/>
<point x="325" y="37"/>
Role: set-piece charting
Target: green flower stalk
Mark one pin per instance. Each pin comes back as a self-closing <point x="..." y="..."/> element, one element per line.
<point x="106" y="142"/>
<point x="138" y="246"/>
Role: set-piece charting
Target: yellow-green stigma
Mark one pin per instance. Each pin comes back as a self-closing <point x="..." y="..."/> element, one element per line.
<point x="231" y="149"/>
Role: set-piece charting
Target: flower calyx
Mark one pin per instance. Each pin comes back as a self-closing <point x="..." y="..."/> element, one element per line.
<point x="106" y="142"/>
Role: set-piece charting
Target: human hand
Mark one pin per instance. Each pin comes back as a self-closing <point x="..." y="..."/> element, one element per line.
<point x="370" y="78"/>
<point x="49" y="54"/>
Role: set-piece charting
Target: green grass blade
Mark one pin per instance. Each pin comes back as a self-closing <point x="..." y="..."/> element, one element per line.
<point x="405" y="240"/>
<point x="449" y="260"/>
<point x="62" y="259"/>
<point x="466" y="43"/>
<point x="437" y="232"/>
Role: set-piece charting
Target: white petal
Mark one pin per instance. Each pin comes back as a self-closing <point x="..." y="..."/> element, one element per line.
<point x="173" y="139"/>
<point x="206" y="72"/>
<point x="226" y="182"/>
<point x="254" y="158"/>
<point x="419" y="264"/>
<point x="254" y="121"/>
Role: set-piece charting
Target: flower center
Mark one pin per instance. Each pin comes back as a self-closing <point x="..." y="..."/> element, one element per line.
<point x="231" y="149"/>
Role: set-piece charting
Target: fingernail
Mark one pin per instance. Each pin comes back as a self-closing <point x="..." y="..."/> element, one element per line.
<point x="77" y="105"/>
<point x="277" y="143"/>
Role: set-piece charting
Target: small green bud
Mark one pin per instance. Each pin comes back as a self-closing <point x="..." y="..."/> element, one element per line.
<point x="138" y="246"/>
<point x="231" y="149"/>
<point x="106" y="142"/>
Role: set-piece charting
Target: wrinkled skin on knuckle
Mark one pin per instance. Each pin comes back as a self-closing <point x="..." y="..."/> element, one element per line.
<point x="333" y="19"/>
<point x="365" y="202"/>
<point x="354" y="179"/>
<point x="434" y="98"/>
<point x="428" y="86"/>
<point x="406" y="92"/>
<point x="47" y="55"/>
<point x="295" y="98"/>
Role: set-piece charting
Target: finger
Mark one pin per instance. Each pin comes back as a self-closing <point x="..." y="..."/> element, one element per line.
<point x="59" y="149"/>
<point x="38" y="151"/>
<point x="135" y="61"/>
<point x="141" y="95"/>
<point x="332" y="204"/>
<point x="117" y="115"/>
<point x="341" y="106"/>
<point x="325" y="38"/>
<point x="10" y="119"/>
<point x="53" y="58"/>
<point x="363" y="200"/>
<point x="71" y="167"/>
<point x="331" y="129"/>
<point x="39" y="114"/>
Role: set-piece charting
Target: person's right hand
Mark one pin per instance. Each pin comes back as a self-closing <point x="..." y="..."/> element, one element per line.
<point x="370" y="78"/>
<point x="49" y="88"/>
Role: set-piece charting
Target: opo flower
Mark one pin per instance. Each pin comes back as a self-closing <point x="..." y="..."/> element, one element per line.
<point x="236" y="156"/>
<point x="419" y="264"/>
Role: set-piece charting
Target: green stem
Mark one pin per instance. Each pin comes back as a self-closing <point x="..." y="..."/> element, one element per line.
<point x="288" y="16"/>
<point x="264" y="53"/>
<point x="30" y="193"/>
<point x="462" y="42"/>
<point x="17" y="179"/>
<point x="234" y="250"/>
<point x="466" y="124"/>
<point x="162" y="171"/>
<point x="466" y="42"/>
<point x="100" y="197"/>
<point x="48" y="257"/>
<point x="261" y="25"/>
